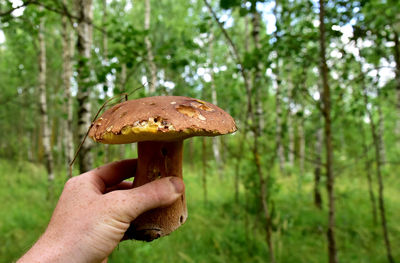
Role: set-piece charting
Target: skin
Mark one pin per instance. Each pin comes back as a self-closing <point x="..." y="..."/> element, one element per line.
<point x="94" y="211"/>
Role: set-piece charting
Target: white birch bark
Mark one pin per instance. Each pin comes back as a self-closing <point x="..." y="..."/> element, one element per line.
<point x="68" y="52"/>
<point x="257" y="78"/>
<point x="150" y="57"/>
<point x="247" y="79"/>
<point x="302" y="145"/>
<point x="85" y="14"/>
<point x="107" y="151"/>
<point x="43" y="108"/>
<point x="397" y="72"/>
<point x="278" y="123"/>
<point x="290" y="127"/>
<point x="122" y="83"/>
<point x="278" y="106"/>
<point x="216" y="142"/>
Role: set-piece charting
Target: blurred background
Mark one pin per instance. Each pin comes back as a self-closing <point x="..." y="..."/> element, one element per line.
<point x="312" y="174"/>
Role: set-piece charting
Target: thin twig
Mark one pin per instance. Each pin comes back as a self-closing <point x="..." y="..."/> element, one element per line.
<point x="5" y="13"/>
<point x="125" y="95"/>
<point x="234" y="51"/>
<point x="64" y="11"/>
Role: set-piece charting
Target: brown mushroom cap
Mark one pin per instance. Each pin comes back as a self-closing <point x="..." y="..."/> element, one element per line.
<point x="161" y="118"/>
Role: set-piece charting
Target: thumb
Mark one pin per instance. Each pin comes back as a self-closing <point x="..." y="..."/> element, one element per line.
<point x="133" y="202"/>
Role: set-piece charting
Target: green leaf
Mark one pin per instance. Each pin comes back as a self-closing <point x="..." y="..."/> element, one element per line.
<point x="227" y="4"/>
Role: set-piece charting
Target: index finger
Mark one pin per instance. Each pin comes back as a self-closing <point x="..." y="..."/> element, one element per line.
<point x="115" y="172"/>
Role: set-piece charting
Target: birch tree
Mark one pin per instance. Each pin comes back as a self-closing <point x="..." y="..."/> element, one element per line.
<point x="253" y="97"/>
<point x="318" y="165"/>
<point x="84" y="42"/>
<point x="326" y="98"/>
<point x="278" y="98"/>
<point x="68" y="53"/>
<point x="396" y="52"/>
<point x="258" y="123"/>
<point x="216" y="141"/>
<point x="48" y="155"/>
<point x="150" y="57"/>
<point x="378" y="159"/>
<point x="107" y="84"/>
<point x="289" y="122"/>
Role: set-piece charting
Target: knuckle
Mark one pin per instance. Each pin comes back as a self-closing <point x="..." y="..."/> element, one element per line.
<point x="72" y="182"/>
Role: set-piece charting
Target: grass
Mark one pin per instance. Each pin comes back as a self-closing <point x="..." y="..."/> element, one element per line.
<point x="219" y="231"/>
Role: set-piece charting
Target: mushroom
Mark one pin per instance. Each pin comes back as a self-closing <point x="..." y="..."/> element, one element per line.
<point x="159" y="125"/>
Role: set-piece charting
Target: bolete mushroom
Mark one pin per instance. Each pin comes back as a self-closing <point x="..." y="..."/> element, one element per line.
<point x="159" y="125"/>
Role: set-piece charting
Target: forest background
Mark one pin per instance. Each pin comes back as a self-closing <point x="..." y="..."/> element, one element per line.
<point x="314" y="86"/>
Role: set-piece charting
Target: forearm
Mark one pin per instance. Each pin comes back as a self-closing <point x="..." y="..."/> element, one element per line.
<point x="48" y="249"/>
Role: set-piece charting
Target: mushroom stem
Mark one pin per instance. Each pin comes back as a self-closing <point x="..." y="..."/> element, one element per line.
<point x="157" y="159"/>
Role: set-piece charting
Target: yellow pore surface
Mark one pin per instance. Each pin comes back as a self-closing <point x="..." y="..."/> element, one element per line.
<point x="150" y="131"/>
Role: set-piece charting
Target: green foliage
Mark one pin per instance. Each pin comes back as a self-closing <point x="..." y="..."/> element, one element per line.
<point x="220" y="231"/>
<point x="24" y="210"/>
<point x="227" y="4"/>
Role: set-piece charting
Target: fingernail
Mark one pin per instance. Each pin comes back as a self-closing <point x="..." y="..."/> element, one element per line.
<point x="178" y="184"/>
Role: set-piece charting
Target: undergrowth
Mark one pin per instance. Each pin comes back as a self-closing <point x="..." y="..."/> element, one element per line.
<point x="219" y="230"/>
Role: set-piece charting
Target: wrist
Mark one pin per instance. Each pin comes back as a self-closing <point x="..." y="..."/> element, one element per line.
<point x="50" y="249"/>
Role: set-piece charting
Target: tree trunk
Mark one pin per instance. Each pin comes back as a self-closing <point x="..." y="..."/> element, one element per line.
<point x="29" y="153"/>
<point x="278" y="113"/>
<point x="216" y="141"/>
<point x="107" y="151"/>
<point x="326" y="98"/>
<point x="122" y="84"/>
<point x="68" y="51"/>
<point x="246" y="74"/>
<point x="105" y="43"/>
<point x="58" y="134"/>
<point x="239" y="158"/>
<point x="257" y="76"/>
<point x="258" y="126"/>
<point x="250" y="120"/>
<point x="104" y="31"/>
<point x="368" y="171"/>
<point x="381" y="199"/>
<point x="397" y="60"/>
<point x="48" y="155"/>
<point x="290" y="126"/>
<point x="381" y="129"/>
<point x="122" y="79"/>
<point x="150" y="57"/>
<point x="204" y="170"/>
<point x="317" y="170"/>
<point x="381" y="125"/>
<point x="264" y="199"/>
<point x="278" y="106"/>
<point x="236" y="178"/>
<point x="84" y="42"/>
<point x="216" y="146"/>
<point x="302" y="148"/>
<point x="244" y="132"/>
<point x="190" y="143"/>
<point x="236" y="56"/>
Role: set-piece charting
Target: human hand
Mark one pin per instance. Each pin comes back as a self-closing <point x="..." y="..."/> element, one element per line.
<point x="95" y="210"/>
